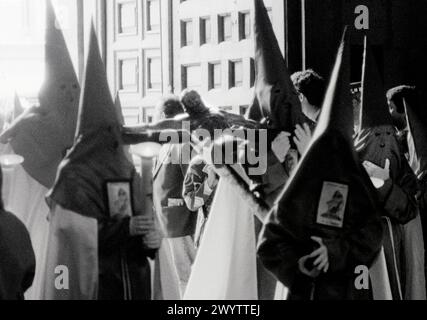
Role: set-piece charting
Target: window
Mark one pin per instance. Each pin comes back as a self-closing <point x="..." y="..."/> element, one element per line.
<point x="127" y="19"/>
<point x="205" y="31"/>
<point x="128" y="74"/>
<point x="153" y="15"/>
<point x="225" y="28"/>
<point x="154" y="73"/>
<point x="243" y="110"/>
<point x="244" y="25"/>
<point x="186" y="33"/>
<point x="191" y="77"/>
<point x="236" y="73"/>
<point x="214" y="76"/>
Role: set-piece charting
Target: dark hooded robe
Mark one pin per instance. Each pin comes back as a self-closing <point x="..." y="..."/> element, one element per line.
<point x="41" y="135"/>
<point x="329" y="164"/>
<point x="376" y="142"/>
<point x="96" y="160"/>
<point x="276" y="104"/>
<point x="17" y="259"/>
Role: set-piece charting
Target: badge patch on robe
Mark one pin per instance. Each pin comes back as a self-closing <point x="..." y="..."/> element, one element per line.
<point x="120" y="200"/>
<point x="332" y="204"/>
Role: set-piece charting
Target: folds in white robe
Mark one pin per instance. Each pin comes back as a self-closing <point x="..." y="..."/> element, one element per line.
<point x="378" y="273"/>
<point x="71" y="270"/>
<point x="225" y="266"/>
<point x="166" y="280"/>
<point x="25" y="197"/>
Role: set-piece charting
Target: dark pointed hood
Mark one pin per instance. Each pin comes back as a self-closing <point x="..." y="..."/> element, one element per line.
<point x="330" y="195"/>
<point x="275" y="96"/>
<point x="118" y="105"/>
<point x="97" y="109"/>
<point x="98" y="156"/>
<point x="43" y="134"/>
<point x="376" y="140"/>
<point x="337" y="110"/>
<point x="375" y="111"/>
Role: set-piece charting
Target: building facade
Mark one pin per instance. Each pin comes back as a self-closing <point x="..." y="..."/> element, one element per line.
<point x="213" y="49"/>
<point x="155" y="47"/>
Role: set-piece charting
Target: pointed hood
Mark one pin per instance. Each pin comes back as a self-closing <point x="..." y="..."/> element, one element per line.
<point x="375" y="111"/>
<point x="337" y="111"/>
<point x="330" y="195"/>
<point x="95" y="93"/>
<point x="275" y="96"/>
<point x="417" y="138"/>
<point x="43" y="134"/>
<point x="98" y="156"/>
<point x="119" y="110"/>
<point x="377" y="140"/>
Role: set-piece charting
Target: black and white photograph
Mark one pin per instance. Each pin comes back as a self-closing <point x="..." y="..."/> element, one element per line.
<point x="119" y="198"/>
<point x="189" y="154"/>
<point x="332" y="204"/>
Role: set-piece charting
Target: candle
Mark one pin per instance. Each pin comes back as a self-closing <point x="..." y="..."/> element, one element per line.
<point x="10" y="161"/>
<point x="147" y="150"/>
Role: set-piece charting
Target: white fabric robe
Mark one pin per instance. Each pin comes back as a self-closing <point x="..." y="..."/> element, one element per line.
<point x="381" y="288"/>
<point x="225" y="265"/>
<point x="166" y="280"/>
<point x="25" y="197"/>
<point x="73" y="244"/>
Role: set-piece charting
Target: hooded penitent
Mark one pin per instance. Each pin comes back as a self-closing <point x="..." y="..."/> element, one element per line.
<point x="352" y="234"/>
<point x="43" y="134"/>
<point x="377" y="142"/>
<point x="97" y="155"/>
<point x="276" y="101"/>
<point x="84" y="191"/>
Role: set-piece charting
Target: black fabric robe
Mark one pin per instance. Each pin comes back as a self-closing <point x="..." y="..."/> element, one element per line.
<point x="397" y="196"/>
<point x="282" y="243"/>
<point x="17" y="259"/>
<point x="124" y="271"/>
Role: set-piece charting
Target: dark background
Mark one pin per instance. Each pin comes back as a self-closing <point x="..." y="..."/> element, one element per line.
<point x="398" y="35"/>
